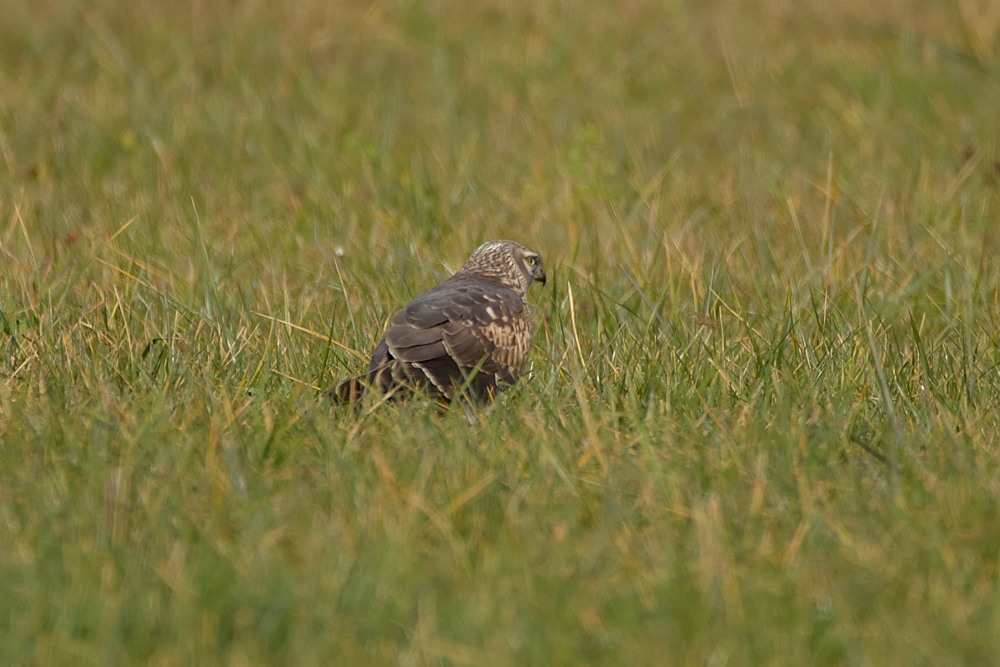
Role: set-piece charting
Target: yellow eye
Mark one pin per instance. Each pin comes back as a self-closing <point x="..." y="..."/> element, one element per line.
<point x="531" y="260"/>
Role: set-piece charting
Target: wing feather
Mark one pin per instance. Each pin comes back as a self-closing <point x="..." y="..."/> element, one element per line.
<point x="415" y="353"/>
<point x="446" y="334"/>
<point x="465" y="347"/>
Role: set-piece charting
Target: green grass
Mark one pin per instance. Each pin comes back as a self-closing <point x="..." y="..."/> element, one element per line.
<point x="763" y="419"/>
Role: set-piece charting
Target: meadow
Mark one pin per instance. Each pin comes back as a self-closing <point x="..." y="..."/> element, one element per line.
<point x="761" y="423"/>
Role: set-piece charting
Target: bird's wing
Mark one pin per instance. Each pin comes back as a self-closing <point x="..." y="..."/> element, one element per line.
<point x="445" y="333"/>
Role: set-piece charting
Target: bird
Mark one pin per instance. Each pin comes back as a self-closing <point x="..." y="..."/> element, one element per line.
<point x="470" y="336"/>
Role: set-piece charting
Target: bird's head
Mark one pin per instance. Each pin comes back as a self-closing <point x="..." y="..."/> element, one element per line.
<point x="512" y="264"/>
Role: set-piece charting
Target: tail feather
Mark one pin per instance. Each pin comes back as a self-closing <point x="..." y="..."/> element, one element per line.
<point x="347" y="392"/>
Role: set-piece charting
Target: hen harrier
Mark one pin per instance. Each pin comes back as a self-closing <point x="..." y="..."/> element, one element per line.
<point x="471" y="333"/>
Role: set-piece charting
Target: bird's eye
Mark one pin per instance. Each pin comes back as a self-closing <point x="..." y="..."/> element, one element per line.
<point x="531" y="260"/>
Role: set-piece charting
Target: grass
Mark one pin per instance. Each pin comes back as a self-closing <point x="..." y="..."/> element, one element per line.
<point x="761" y="425"/>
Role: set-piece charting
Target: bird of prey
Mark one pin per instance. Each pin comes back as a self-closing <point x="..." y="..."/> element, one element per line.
<point x="469" y="336"/>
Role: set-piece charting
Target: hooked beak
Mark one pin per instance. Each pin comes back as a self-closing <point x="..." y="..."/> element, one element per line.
<point x="538" y="273"/>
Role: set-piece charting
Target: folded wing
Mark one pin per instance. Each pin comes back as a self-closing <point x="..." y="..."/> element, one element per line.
<point x="453" y="335"/>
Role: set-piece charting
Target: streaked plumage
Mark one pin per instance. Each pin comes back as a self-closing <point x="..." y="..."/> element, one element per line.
<point x="473" y="331"/>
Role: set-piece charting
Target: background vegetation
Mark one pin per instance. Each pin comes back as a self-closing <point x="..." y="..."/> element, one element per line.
<point x="762" y="421"/>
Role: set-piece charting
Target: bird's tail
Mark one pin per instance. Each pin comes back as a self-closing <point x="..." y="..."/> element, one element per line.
<point x="347" y="392"/>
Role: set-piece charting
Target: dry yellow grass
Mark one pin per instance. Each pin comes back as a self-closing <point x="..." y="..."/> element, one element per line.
<point x="761" y="426"/>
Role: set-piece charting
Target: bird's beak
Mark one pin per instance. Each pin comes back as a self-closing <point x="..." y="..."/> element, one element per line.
<point x="538" y="274"/>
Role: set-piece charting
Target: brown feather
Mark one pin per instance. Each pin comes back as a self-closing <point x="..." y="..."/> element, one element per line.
<point x="473" y="329"/>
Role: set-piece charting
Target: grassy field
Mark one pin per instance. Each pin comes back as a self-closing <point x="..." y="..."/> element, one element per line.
<point x="762" y="425"/>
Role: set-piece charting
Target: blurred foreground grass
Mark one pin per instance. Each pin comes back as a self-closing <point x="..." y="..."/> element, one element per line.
<point x="761" y="426"/>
